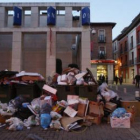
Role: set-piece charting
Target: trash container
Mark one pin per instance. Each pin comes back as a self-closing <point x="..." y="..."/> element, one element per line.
<point x="7" y="93"/>
<point x="63" y="91"/>
<point x="88" y="91"/>
<point x="30" y="91"/>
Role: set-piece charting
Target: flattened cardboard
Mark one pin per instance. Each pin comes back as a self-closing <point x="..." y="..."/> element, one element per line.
<point x="110" y="106"/>
<point x="49" y="89"/>
<point x="70" y="111"/>
<point x="66" y="121"/>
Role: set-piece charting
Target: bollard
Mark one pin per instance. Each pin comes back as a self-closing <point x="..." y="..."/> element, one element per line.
<point x="137" y="94"/>
<point x="116" y="87"/>
<point x="124" y="90"/>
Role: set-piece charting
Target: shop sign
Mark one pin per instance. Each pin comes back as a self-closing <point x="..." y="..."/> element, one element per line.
<point x="102" y="61"/>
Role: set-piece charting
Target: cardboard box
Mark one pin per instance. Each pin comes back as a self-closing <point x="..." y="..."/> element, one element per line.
<point x="123" y="122"/>
<point x="96" y="109"/>
<point x="95" y="120"/>
<point x="110" y="106"/>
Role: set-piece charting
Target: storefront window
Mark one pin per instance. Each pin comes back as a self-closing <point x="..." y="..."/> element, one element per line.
<point x="101" y="70"/>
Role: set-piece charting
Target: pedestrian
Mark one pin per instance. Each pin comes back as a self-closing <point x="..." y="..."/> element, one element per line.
<point x="103" y="78"/>
<point x="116" y="79"/>
<point x="106" y="79"/>
<point x="137" y="79"/>
<point x="120" y="80"/>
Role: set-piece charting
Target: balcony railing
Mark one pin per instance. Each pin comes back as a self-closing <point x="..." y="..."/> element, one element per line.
<point x="131" y="62"/>
<point x="138" y="59"/>
<point x="121" y="51"/>
<point x="101" y="39"/>
<point x="125" y="49"/>
<point x="101" y="55"/>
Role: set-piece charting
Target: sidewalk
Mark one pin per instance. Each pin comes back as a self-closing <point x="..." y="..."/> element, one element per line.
<point x="120" y="90"/>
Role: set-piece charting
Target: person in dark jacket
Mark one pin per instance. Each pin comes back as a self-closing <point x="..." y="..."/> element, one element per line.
<point x="116" y="79"/>
<point x="120" y="80"/>
<point x="137" y="79"/>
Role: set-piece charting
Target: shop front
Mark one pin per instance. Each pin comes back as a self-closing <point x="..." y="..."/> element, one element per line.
<point x="103" y="68"/>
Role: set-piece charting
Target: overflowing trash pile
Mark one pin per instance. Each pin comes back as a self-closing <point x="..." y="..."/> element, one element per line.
<point x="73" y="76"/>
<point x="47" y="111"/>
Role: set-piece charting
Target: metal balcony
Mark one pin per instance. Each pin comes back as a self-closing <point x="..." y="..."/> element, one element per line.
<point x="101" y="55"/>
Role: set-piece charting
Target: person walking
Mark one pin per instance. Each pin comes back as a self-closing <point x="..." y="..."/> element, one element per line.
<point x="116" y="80"/>
<point x="137" y="79"/>
<point x="106" y="79"/>
<point x="120" y="80"/>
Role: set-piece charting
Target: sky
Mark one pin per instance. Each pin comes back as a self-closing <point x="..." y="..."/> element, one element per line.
<point x="121" y="12"/>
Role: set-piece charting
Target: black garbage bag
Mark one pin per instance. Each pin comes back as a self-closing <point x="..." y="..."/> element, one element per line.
<point x="17" y="102"/>
<point x="23" y="113"/>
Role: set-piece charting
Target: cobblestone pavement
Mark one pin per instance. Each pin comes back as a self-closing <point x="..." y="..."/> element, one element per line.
<point x="94" y="132"/>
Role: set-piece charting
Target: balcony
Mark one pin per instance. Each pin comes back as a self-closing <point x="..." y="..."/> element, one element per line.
<point x="131" y="62"/>
<point x="131" y="46"/>
<point x="101" y="39"/>
<point x="124" y="64"/>
<point x="125" y="49"/>
<point x="121" y="51"/>
<point x="138" y="59"/>
<point x="101" y="55"/>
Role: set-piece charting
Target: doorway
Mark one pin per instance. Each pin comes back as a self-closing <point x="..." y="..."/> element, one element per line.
<point x="101" y="70"/>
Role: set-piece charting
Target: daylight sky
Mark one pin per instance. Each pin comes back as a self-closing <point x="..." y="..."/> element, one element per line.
<point x="122" y="12"/>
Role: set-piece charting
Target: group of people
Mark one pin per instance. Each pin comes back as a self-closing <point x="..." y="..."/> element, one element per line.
<point x="118" y="79"/>
<point x="103" y="79"/>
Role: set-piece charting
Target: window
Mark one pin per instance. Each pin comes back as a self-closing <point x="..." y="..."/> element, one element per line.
<point x="102" y="54"/>
<point x="101" y="36"/>
<point x="138" y="59"/>
<point x="115" y="46"/>
<point x="138" y="37"/>
<point x="125" y="49"/>
<point x="121" y="49"/>
<point x="125" y="59"/>
<point x="131" y="45"/>
<point x="132" y="55"/>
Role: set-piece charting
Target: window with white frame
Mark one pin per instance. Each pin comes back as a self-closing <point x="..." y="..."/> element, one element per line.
<point x="101" y="35"/>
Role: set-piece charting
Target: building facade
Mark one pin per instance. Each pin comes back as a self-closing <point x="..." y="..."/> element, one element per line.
<point x="35" y="45"/>
<point x="128" y="51"/>
<point x="102" y="62"/>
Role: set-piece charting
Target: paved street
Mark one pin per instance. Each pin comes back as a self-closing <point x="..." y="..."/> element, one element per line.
<point x="120" y="90"/>
<point x="96" y="132"/>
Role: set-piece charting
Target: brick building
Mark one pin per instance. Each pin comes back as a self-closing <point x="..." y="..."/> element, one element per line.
<point x="102" y="62"/>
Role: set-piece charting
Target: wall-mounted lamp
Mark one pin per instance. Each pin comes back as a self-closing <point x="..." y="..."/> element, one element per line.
<point x="93" y="31"/>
